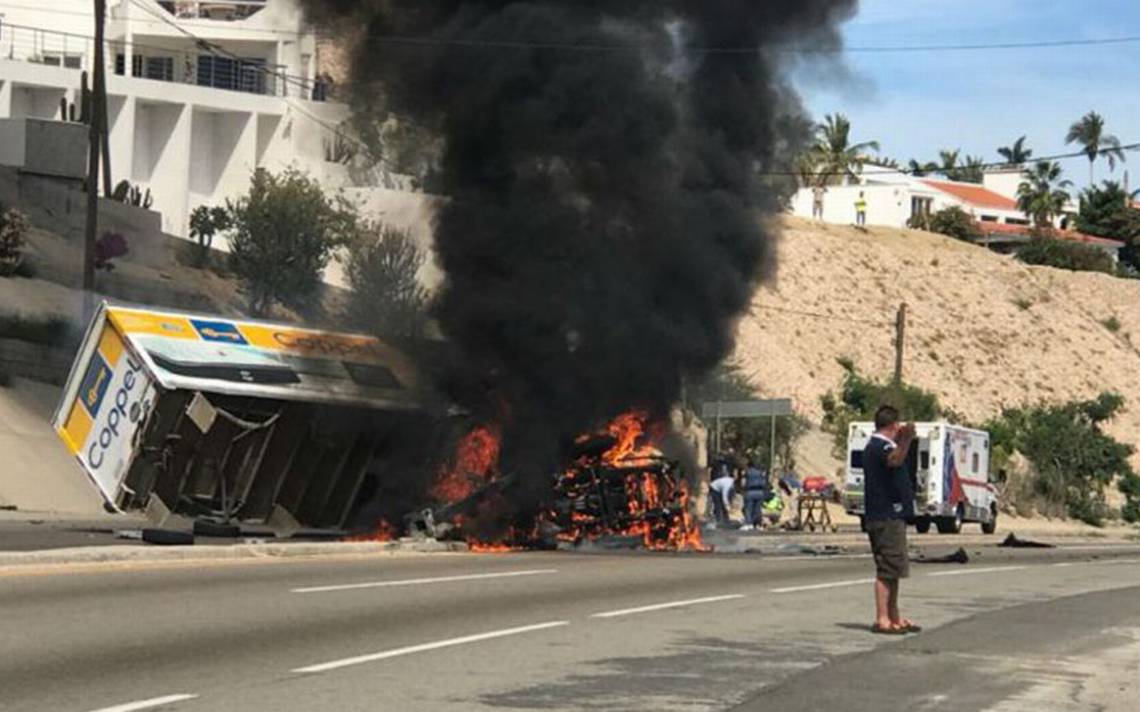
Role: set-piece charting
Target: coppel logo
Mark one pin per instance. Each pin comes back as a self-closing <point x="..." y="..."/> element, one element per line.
<point x="95" y="384"/>
<point x="126" y="409"/>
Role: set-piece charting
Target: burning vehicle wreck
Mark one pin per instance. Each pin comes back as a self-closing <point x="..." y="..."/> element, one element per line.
<point x="619" y="490"/>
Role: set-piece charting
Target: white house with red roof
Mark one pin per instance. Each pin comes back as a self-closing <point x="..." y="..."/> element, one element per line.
<point x="894" y="198"/>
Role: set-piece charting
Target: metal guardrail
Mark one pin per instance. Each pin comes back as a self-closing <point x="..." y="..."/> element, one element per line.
<point x="199" y="67"/>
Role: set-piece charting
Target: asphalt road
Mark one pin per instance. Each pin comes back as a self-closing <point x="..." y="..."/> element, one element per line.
<point x="563" y="631"/>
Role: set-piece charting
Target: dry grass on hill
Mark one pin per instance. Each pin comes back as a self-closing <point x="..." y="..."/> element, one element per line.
<point x="985" y="331"/>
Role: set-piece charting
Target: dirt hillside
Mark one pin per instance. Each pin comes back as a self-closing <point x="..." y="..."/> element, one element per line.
<point x="984" y="331"/>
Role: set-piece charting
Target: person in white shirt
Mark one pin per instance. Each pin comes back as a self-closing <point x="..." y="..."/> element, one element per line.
<point x="721" y="489"/>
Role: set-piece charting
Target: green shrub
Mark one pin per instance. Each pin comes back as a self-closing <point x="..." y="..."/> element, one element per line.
<point x="283" y="234"/>
<point x="1112" y="324"/>
<point x="953" y="222"/>
<point x="1074" y="459"/>
<point x="752" y="438"/>
<point x="1062" y="254"/>
<point x="859" y="397"/>
<point x="387" y="298"/>
<point x="14" y="228"/>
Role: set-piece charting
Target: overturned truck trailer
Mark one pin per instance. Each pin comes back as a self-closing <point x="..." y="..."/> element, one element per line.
<point x="234" y="421"/>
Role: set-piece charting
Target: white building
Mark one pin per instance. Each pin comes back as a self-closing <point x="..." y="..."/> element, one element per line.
<point x="893" y="198"/>
<point x="199" y="93"/>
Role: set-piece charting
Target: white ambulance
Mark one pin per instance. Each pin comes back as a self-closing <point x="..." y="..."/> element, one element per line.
<point x="949" y="467"/>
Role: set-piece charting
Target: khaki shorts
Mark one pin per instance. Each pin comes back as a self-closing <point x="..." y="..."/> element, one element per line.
<point x="888" y="545"/>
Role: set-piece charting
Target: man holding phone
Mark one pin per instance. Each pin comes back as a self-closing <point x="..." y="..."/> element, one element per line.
<point x="889" y="503"/>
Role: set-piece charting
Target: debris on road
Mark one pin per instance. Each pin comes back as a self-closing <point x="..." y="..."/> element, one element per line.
<point x="1012" y="542"/>
<point x="958" y="557"/>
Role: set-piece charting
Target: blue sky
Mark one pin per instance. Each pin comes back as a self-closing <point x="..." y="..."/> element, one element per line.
<point x="916" y="103"/>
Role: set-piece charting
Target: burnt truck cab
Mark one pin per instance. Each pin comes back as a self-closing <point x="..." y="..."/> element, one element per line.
<point x="949" y="470"/>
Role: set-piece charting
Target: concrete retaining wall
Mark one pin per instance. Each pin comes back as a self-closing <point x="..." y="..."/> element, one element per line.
<point x="36" y="362"/>
<point x="45" y="147"/>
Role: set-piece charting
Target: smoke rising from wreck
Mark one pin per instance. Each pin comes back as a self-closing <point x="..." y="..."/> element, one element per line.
<point x="607" y="219"/>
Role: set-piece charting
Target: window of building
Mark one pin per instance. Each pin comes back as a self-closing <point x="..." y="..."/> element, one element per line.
<point x="59" y="59"/>
<point x="975" y="462"/>
<point x="1016" y="221"/>
<point x="989" y="218"/>
<point x="161" y="68"/>
<point x="920" y="206"/>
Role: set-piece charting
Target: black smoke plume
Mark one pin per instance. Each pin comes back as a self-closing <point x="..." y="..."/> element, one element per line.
<point x="609" y="168"/>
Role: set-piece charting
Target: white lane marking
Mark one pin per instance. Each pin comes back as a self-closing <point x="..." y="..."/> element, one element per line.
<point x="663" y="606"/>
<point x="148" y="704"/>
<point x="990" y="570"/>
<point x="1064" y="564"/>
<point x="1116" y="561"/>
<point x="1095" y="547"/>
<point x="816" y="557"/>
<point x="822" y="586"/>
<point x="421" y="581"/>
<point x="411" y="649"/>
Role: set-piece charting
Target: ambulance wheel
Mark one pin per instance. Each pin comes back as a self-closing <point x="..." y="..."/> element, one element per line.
<point x="922" y="526"/>
<point x="991" y="526"/>
<point x="954" y="525"/>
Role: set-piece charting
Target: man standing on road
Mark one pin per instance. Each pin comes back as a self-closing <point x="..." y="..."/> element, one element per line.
<point x="889" y="502"/>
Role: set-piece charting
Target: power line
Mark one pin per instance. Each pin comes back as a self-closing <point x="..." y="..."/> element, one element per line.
<point x="745" y="51"/>
<point x="919" y="173"/>
<point x="817" y="315"/>
<point x="518" y="44"/>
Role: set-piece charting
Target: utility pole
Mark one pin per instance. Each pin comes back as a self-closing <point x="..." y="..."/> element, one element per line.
<point x="900" y="341"/>
<point x="772" y="447"/>
<point x="95" y="144"/>
<point x="105" y="125"/>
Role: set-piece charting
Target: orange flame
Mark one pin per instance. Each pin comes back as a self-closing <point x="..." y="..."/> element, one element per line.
<point x="384" y="532"/>
<point x="657" y="501"/>
<point x="476" y="460"/>
<point x="646" y="492"/>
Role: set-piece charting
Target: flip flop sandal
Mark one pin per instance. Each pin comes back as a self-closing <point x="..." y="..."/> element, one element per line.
<point x="880" y="630"/>
<point x="910" y="627"/>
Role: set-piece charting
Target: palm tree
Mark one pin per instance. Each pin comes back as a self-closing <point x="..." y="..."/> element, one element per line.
<point x="834" y="158"/>
<point x="949" y="159"/>
<point x="1017" y="154"/>
<point x="919" y="170"/>
<point x="1042" y="195"/>
<point x="1089" y="132"/>
<point x="973" y="170"/>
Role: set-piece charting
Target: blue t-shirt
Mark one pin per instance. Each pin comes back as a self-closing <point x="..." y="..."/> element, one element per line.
<point x="887" y="491"/>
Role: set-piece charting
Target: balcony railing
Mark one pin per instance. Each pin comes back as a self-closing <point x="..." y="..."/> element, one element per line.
<point x="200" y="67"/>
<point x="227" y="10"/>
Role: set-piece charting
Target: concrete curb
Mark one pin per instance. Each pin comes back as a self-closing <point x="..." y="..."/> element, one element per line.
<point x="237" y="552"/>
